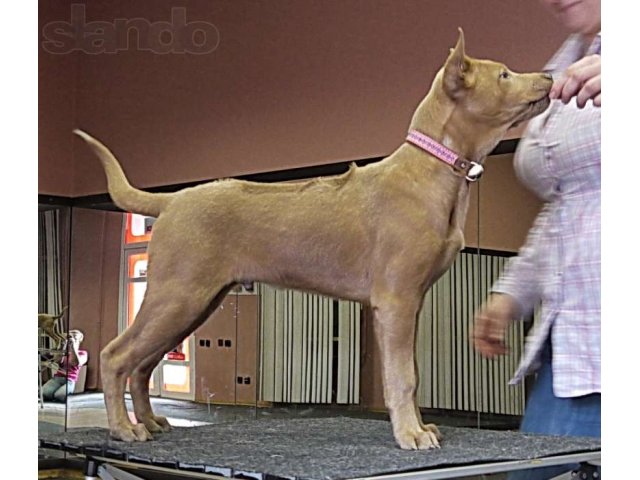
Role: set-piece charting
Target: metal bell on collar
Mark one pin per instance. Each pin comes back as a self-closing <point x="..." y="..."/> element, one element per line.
<point x="475" y="172"/>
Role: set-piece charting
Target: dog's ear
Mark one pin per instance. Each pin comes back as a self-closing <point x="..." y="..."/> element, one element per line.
<point x="457" y="75"/>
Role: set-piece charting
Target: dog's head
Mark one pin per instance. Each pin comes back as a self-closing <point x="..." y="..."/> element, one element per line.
<point x="490" y="92"/>
<point x="481" y="98"/>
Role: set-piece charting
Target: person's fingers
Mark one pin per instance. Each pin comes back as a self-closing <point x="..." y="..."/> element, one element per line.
<point x="577" y="78"/>
<point x="488" y="335"/>
<point x="489" y="348"/>
<point x="589" y="90"/>
<point x="561" y="80"/>
<point x="556" y="88"/>
<point x="597" y="100"/>
<point x="571" y="81"/>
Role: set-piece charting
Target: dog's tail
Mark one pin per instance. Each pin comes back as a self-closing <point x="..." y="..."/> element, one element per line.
<point x="122" y="193"/>
<point x="61" y="313"/>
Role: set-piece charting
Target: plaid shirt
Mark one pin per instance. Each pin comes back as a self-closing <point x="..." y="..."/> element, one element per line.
<point x="558" y="267"/>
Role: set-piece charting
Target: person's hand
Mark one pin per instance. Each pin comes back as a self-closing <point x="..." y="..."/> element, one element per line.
<point x="580" y="80"/>
<point x="73" y="337"/>
<point x="491" y="323"/>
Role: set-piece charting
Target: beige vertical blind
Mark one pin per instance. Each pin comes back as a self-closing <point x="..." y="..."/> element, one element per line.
<point x="310" y="346"/>
<point x="452" y="375"/>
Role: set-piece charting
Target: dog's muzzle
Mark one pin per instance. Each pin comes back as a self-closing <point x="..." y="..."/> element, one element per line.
<point x="475" y="172"/>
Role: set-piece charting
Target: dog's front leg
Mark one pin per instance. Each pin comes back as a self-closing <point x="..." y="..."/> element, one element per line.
<point x="394" y="324"/>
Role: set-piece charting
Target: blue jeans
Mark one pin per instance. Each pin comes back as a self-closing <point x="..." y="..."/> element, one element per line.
<point x="56" y="389"/>
<point x="547" y="414"/>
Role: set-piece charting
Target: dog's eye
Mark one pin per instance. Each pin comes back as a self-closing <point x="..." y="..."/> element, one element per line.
<point x="504" y="75"/>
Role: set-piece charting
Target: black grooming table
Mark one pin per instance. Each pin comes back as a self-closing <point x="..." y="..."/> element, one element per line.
<point x="318" y="449"/>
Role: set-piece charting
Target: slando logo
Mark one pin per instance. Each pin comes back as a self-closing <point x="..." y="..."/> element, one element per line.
<point x="97" y="37"/>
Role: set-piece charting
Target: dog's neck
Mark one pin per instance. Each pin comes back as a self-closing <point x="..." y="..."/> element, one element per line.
<point x="442" y="119"/>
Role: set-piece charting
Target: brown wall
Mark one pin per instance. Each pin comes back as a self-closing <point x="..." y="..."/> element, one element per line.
<point x="95" y="271"/>
<point x="507" y="209"/>
<point x="290" y="84"/>
<point x="56" y="109"/>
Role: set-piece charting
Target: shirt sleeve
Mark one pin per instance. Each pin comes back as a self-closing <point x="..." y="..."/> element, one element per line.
<point x="521" y="278"/>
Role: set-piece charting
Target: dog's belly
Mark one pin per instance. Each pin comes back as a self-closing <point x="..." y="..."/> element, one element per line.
<point x="318" y="263"/>
<point x="346" y="291"/>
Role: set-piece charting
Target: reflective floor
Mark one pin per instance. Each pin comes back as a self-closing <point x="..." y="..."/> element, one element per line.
<point x="88" y="410"/>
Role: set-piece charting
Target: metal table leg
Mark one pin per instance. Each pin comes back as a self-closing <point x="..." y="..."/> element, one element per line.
<point x="109" y="472"/>
<point x="94" y="470"/>
<point x="41" y="398"/>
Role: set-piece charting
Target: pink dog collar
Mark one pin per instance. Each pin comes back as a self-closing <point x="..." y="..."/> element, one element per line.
<point x="471" y="170"/>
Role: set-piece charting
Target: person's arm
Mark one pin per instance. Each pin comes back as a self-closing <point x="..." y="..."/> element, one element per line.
<point x="520" y="277"/>
<point x="514" y="294"/>
<point x="74" y="356"/>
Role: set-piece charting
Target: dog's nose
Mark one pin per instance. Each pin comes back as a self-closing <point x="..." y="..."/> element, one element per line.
<point x="547" y="76"/>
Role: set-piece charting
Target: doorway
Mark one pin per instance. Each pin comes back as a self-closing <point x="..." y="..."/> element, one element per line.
<point x="174" y="375"/>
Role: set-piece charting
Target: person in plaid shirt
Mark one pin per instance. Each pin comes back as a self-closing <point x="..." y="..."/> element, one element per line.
<point x="558" y="268"/>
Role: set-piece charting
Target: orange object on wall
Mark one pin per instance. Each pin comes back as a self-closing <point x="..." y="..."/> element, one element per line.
<point x="135" y="270"/>
<point x="136" y="230"/>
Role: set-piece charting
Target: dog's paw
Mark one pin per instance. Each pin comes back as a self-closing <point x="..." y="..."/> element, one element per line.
<point x="431" y="427"/>
<point x="418" y="440"/>
<point x="156" y="424"/>
<point x="131" y="433"/>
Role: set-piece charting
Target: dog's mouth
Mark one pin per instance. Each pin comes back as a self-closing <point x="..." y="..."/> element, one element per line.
<point x="532" y="108"/>
<point x="543" y="100"/>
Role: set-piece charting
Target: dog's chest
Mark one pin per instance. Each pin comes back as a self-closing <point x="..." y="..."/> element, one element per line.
<point x="457" y="218"/>
<point x="459" y="207"/>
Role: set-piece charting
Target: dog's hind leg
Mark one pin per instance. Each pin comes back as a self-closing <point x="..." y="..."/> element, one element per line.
<point x="394" y="327"/>
<point x="164" y="319"/>
<point x="139" y="389"/>
<point x="139" y="381"/>
<point x="115" y="367"/>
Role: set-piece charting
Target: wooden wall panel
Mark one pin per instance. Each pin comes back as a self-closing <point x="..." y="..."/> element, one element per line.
<point x="216" y="364"/>
<point x="247" y="349"/>
<point x="235" y="325"/>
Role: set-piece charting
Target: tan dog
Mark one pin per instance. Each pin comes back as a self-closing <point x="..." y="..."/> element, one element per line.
<point x="49" y="325"/>
<point x="380" y="235"/>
